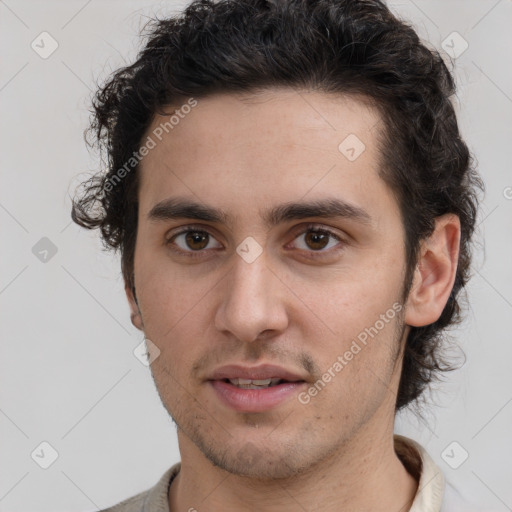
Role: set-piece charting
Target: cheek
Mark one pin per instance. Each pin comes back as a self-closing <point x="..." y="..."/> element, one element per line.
<point x="356" y="374"/>
<point x="347" y="304"/>
<point x="172" y="304"/>
<point x="356" y="346"/>
<point x="170" y="296"/>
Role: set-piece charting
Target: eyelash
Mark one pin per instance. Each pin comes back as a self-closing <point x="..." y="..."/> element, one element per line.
<point x="309" y="227"/>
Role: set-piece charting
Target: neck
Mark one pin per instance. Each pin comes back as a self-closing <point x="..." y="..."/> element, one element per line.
<point x="365" y="474"/>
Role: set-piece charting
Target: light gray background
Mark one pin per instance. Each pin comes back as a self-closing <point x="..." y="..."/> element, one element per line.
<point x="68" y="373"/>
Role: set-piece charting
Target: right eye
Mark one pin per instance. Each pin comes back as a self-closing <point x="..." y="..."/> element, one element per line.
<point x="190" y="240"/>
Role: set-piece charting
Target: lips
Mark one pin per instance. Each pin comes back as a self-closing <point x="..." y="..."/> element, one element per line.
<point x="261" y="372"/>
<point x="254" y="389"/>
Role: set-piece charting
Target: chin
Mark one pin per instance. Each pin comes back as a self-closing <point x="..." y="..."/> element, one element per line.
<point x="254" y="462"/>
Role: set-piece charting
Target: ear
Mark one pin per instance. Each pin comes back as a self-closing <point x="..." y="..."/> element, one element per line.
<point x="135" y="314"/>
<point x="435" y="273"/>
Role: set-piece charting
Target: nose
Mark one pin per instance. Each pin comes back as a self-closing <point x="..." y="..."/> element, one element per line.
<point x="253" y="301"/>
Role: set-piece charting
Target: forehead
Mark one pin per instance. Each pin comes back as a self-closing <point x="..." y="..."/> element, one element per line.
<point x="271" y="147"/>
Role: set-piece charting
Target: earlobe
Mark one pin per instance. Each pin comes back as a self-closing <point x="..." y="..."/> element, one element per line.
<point x="135" y="314"/>
<point x="435" y="273"/>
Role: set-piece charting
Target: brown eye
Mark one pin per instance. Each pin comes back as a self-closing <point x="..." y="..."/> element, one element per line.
<point x="317" y="240"/>
<point x="193" y="240"/>
<point x="196" y="240"/>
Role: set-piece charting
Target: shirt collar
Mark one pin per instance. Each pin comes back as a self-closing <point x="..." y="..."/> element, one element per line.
<point x="418" y="462"/>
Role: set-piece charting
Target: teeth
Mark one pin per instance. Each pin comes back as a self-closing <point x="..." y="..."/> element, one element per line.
<point x="249" y="381"/>
<point x="254" y="383"/>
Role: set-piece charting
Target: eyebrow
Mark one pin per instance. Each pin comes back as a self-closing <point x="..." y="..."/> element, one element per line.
<point x="180" y="208"/>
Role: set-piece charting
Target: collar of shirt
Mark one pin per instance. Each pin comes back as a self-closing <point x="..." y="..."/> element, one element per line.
<point x="431" y="484"/>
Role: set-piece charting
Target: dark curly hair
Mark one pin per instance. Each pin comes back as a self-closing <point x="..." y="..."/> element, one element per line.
<point x="334" y="46"/>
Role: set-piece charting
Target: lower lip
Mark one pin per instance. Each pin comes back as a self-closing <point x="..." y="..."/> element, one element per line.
<point x="255" y="400"/>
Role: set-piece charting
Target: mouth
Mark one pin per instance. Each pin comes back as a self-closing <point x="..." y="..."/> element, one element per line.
<point x="255" y="383"/>
<point x="255" y="389"/>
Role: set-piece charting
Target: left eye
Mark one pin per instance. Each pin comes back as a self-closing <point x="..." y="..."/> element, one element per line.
<point x="315" y="239"/>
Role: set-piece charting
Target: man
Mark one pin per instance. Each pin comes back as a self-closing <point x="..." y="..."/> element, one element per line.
<point x="294" y="208"/>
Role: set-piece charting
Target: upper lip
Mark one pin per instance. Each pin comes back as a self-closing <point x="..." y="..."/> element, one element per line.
<point x="264" y="371"/>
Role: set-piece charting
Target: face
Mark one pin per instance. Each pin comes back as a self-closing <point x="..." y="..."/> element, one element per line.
<point x="269" y="248"/>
